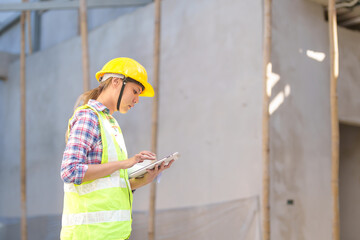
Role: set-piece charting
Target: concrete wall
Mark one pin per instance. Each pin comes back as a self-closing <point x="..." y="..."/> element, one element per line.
<point x="5" y="60"/>
<point x="10" y="42"/>
<point x="210" y="105"/>
<point x="70" y="26"/>
<point x="349" y="104"/>
<point x="210" y="100"/>
<point x="50" y="32"/>
<point x="349" y="72"/>
<point x="349" y="182"/>
<point x="300" y="125"/>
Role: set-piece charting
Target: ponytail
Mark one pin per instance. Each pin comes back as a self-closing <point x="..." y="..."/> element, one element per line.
<point x="92" y="94"/>
<point x="86" y="96"/>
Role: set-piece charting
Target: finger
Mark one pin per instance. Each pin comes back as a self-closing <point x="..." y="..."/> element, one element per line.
<point x="162" y="166"/>
<point x="156" y="169"/>
<point x="147" y="157"/>
<point x="150" y="171"/>
<point x="148" y="153"/>
<point x="167" y="166"/>
<point x="153" y="170"/>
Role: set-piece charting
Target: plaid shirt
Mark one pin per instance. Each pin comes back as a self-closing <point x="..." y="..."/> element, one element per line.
<point x="84" y="145"/>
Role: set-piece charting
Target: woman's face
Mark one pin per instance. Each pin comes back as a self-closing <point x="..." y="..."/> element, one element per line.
<point x="130" y="96"/>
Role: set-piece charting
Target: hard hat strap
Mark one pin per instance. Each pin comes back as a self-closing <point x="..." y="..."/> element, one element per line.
<point x="121" y="93"/>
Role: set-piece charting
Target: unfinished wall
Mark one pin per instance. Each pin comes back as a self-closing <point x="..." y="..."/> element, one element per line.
<point x="47" y="21"/>
<point x="10" y="42"/>
<point x="210" y="100"/>
<point x="349" y="72"/>
<point x="70" y="26"/>
<point x="300" y="123"/>
<point x="210" y="106"/>
<point x="349" y="182"/>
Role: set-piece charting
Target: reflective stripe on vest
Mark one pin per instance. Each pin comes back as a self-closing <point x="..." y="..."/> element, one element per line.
<point x="102" y="183"/>
<point x="96" y="217"/>
<point x="100" y="209"/>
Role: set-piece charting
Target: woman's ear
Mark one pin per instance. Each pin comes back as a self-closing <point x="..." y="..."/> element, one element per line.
<point x="115" y="82"/>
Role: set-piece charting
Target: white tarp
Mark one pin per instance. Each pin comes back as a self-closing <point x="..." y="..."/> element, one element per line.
<point x="238" y="219"/>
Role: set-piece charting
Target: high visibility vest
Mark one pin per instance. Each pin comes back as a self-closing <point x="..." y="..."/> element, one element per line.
<point x="100" y="209"/>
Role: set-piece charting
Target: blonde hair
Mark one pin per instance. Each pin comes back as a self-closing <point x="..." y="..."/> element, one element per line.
<point x="86" y="96"/>
<point x="92" y="94"/>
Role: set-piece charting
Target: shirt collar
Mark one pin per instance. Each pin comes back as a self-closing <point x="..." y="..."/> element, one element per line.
<point x="98" y="106"/>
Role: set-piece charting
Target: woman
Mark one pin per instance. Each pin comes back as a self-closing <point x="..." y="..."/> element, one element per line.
<point x="98" y="193"/>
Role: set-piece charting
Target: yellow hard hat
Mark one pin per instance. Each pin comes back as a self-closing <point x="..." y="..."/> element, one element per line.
<point x="129" y="68"/>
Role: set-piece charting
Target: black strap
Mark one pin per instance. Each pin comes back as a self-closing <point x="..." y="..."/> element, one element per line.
<point x="121" y="93"/>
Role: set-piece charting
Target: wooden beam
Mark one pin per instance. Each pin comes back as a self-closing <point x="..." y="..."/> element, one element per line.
<point x="23" y="128"/>
<point x="334" y="73"/>
<point x="265" y="122"/>
<point x="28" y="22"/>
<point x="84" y="44"/>
<point x="155" y="113"/>
<point x="57" y="5"/>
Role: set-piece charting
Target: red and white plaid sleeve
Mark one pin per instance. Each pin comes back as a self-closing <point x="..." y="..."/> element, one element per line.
<point x="83" y="146"/>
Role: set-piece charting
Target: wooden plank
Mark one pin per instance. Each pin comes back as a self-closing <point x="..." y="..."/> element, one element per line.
<point x="334" y="73"/>
<point x="23" y="129"/>
<point x="57" y="5"/>
<point x="155" y="113"/>
<point x="28" y="22"/>
<point x="84" y="44"/>
<point x="265" y="122"/>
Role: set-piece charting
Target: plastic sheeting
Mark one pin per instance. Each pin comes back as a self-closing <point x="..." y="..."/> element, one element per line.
<point x="234" y="220"/>
<point x="39" y="228"/>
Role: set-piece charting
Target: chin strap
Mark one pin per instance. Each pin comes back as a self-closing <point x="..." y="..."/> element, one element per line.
<point x="121" y="93"/>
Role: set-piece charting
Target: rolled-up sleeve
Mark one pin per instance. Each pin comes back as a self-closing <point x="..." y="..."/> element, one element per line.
<point x="84" y="134"/>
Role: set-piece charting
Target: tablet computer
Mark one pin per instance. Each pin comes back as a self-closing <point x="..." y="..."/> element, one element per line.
<point x="139" y="172"/>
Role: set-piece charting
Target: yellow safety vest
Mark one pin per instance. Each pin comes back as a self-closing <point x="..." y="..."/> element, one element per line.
<point x="100" y="209"/>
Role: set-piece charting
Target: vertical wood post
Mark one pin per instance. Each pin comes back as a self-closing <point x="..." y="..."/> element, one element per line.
<point x="23" y="129"/>
<point x="266" y="117"/>
<point x="84" y="44"/>
<point x="152" y="206"/>
<point x="28" y="20"/>
<point x="334" y="73"/>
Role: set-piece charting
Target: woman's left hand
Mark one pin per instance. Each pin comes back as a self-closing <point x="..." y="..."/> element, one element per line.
<point x="153" y="173"/>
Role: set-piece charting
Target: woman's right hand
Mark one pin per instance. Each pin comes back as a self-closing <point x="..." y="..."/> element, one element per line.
<point x="95" y="171"/>
<point x="140" y="157"/>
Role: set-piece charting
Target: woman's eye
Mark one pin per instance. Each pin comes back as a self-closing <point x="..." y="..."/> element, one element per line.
<point x="135" y="92"/>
